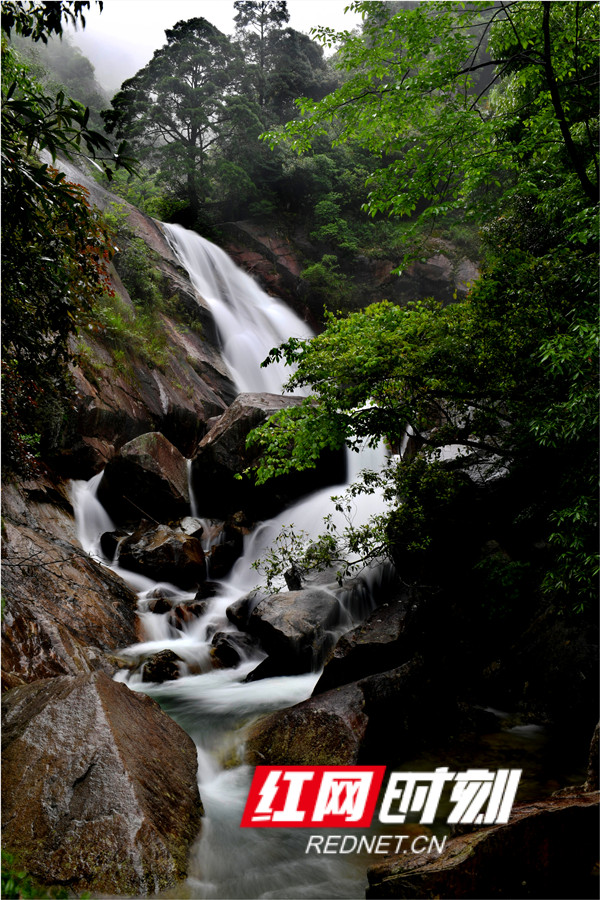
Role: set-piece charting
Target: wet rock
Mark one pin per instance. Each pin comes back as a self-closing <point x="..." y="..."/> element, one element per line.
<point x="229" y="649"/>
<point x="63" y="613"/>
<point x="268" y="256"/>
<point x="185" y="613"/>
<point x="193" y="526"/>
<point x="164" y="554"/>
<point x="222" y="455"/>
<point x="109" y="542"/>
<point x="324" y="730"/>
<point x="162" y="666"/>
<point x="147" y="478"/>
<point x="161" y="601"/>
<point x="377" y="644"/>
<point x="240" y="610"/>
<point x="99" y="787"/>
<point x="403" y="701"/>
<point x="222" y="557"/>
<point x="294" y="628"/>
<point x="547" y="849"/>
<point x="207" y="590"/>
<point x="267" y="668"/>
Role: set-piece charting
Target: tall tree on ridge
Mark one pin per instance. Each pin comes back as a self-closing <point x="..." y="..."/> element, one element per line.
<point x="255" y="22"/>
<point x="177" y="108"/>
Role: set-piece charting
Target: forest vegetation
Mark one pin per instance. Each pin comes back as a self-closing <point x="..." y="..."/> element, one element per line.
<point x="495" y="126"/>
<point x="472" y="122"/>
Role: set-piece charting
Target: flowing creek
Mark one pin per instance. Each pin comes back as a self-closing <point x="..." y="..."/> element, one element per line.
<point x="216" y="706"/>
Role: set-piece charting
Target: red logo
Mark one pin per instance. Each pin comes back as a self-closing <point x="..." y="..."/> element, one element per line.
<point x="312" y="796"/>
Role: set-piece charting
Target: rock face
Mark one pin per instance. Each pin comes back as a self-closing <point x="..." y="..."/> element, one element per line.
<point x="547" y="849"/>
<point x="327" y="730"/>
<point x="89" y="809"/>
<point x="64" y="614"/>
<point x="222" y="455"/>
<point x="164" y="554"/>
<point x="276" y="260"/>
<point x="146" y="479"/>
<point x="294" y="628"/>
<point x="117" y="403"/>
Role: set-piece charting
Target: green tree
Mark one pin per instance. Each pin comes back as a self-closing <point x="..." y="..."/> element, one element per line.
<point x="181" y="105"/>
<point x="445" y="146"/>
<point x="54" y="246"/>
<point x="298" y="66"/>
<point x="510" y="372"/>
<point x="255" y="23"/>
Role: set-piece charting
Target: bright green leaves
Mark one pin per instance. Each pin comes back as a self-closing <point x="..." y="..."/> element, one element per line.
<point x="454" y="124"/>
<point x="510" y="371"/>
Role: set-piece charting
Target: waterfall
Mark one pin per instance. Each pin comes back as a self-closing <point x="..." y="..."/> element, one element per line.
<point x="214" y="705"/>
<point x="249" y="322"/>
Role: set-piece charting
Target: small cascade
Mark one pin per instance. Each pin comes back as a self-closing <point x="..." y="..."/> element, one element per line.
<point x="215" y="705"/>
<point x="91" y="519"/>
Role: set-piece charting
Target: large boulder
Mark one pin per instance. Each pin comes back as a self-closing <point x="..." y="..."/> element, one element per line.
<point x="63" y="613"/>
<point x="350" y="724"/>
<point x="147" y="478"/>
<point x="162" y="666"/>
<point x="327" y="730"/>
<point x="547" y="849"/>
<point x="294" y="628"/>
<point x="222" y="456"/>
<point x="99" y="787"/>
<point x="164" y="554"/>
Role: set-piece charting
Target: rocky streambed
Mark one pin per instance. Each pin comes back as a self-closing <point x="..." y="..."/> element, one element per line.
<point x="145" y="676"/>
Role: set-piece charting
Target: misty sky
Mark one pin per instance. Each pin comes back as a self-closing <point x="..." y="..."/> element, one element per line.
<point x="121" y="39"/>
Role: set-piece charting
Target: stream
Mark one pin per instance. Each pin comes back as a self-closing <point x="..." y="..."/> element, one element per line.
<point x="215" y="706"/>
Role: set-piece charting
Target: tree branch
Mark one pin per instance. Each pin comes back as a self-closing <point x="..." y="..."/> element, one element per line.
<point x="590" y="190"/>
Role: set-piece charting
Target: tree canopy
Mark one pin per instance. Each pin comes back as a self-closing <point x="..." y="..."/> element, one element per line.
<point x="511" y="371"/>
<point x="414" y="93"/>
<point x="255" y="24"/>
<point x="181" y="103"/>
<point x="195" y="112"/>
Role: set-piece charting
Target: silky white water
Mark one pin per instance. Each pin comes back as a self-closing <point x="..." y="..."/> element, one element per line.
<point x="215" y="706"/>
<point x="249" y="322"/>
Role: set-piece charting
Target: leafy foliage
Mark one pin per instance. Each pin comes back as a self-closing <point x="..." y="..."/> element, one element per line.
<point x="255" y="23"/>
<point x="54" y="246"/>
<point x="196" y="111"/>
<point x="181" y="103"/>
<point x="510" y="372"/>
<point x="41" y="20"/>
<point x="447" y="140"/>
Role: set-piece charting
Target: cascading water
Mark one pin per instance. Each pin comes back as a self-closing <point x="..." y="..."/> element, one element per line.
<point x="249" y="322"/>
<point x="215" y="705"/>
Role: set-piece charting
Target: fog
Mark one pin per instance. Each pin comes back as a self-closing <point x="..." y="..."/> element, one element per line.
<point x="121" y="39"/>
